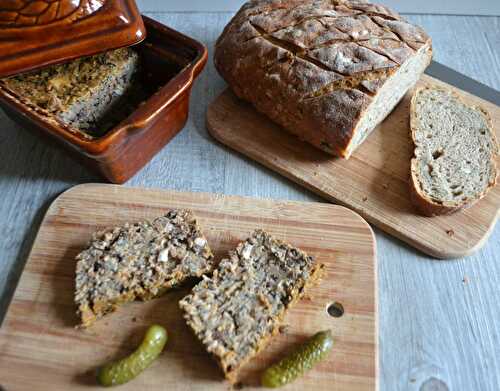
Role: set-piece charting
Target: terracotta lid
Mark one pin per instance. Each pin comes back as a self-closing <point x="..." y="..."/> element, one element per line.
<point x="36" y="33"/>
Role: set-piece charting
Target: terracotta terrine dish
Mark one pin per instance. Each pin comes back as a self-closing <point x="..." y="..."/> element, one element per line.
<point x="113" y="110"/>
<point x="36" y="33"/>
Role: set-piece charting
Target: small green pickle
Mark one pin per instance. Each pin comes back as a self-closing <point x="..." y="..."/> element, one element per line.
<point x="126" y="369"/>
<point x="300" y="361"/>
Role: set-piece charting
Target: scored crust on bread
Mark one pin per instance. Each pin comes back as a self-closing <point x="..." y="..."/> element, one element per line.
<point x="326" y="71"/>
<point x="455" y="152"/>
<point x="236" y="311"/>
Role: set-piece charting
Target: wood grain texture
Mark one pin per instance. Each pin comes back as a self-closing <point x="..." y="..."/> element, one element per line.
<point x="434" y="327"/>
<point x="373" y="182"/>
<point x="42" y="317"/>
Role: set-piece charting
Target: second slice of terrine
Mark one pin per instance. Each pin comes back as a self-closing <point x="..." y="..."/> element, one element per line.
<point x="236" y="310"/>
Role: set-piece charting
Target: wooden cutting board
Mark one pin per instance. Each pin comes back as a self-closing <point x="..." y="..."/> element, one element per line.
<point x="373" y="182"/>
<point x="41" y="350"/>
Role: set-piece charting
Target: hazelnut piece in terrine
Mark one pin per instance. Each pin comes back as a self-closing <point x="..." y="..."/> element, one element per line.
<point x="79" y="93"/>
<point x="139" y="261"/>
<point x="236" y="310"/>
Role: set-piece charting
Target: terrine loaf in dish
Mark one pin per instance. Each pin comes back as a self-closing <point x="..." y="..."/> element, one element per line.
<point x="79" y="93"/>
<point x="327" y="71"/>
<point x="455" y="152"/>
<point x="236" y="310"/>
<point x="139" y="261"/>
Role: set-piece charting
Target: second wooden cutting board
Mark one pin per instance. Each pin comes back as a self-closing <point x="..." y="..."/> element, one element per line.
<point x="373" y="182"/>
<point x="41" y="350"/>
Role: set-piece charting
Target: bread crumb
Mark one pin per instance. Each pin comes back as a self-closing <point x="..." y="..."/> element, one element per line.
<point x="465" y="280"/>
<point x="450" y="232"/>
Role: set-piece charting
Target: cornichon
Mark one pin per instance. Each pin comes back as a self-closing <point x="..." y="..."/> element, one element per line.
<point x="126" y="369"/>
<point x="300" y="361"/>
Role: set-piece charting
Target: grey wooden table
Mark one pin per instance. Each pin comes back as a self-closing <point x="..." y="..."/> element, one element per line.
<point x="439" y="320"/>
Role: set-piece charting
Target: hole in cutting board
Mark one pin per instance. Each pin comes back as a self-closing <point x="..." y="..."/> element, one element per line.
<point x="335" y="310"/>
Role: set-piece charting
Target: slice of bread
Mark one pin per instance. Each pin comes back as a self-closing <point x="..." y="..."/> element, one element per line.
<point x="455" y="152"/>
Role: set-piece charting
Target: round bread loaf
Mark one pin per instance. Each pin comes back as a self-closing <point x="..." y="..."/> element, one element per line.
<point x="327" y="71"/>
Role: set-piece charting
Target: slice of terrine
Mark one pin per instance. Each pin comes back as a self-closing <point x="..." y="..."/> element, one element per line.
<point x="139" y="261"/>
<point x="236" y="310"/>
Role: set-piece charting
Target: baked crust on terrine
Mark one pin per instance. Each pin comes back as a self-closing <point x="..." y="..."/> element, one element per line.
<point x="81" y="92"/>
<point x="139" y="261"/>
<point x="239" y="308"/>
